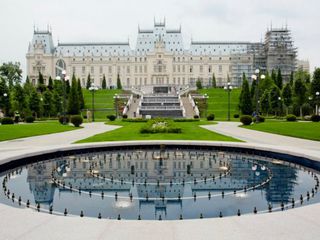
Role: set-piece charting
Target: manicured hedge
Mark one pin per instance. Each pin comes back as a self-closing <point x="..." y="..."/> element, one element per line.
<point x="210" y="117"/>
<point x="76" y="120"/>
<point x="7" y="120"/>
<point x="291" y="118"/>
<point x="246" y="119"/>
<point x="29" y="119"/>
<point x="111" y="117"/>
<point x="186" y="120"/>
<point x="315" y="118"/>
<point x="63" y="119"/>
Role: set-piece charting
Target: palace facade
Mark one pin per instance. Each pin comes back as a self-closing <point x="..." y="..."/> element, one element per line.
<point x="160" y="58"/>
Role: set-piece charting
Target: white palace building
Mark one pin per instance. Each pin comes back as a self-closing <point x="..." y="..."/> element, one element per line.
<point x="160" y="58"/>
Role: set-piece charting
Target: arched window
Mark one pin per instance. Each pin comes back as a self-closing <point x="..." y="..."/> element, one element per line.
<point x="60" y="66"/>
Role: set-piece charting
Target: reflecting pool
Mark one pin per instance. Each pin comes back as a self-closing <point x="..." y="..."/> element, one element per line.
<point x="160" y="184"/>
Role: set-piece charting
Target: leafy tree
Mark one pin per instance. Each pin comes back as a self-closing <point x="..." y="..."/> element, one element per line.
<point x="245" y="103"/>
<point x="4" y="97"/>
<point x="199" y="84"/>
<point x="11" y="73"/>
<point x="275" y="99"/>
<point x="279" y="81"/>
<point x="265" y="102"/>
<point x="287" y="96"/>
<point x="119" y="86"/>
<point x="81" y="98"/>
<point x="266" y="84"/>
<point x="41" y="86"/>
<point x="50" y="84"/>
<point x="48" y="105"/>
<point x="73" y="100"/>
<point x="214" y="81"/>
<point x="34" y="103"/>
<point x="88" y="85"/>
<point x="19" y="98"/>
<point x="104" y="82"/>
<point x="300" y="91"/>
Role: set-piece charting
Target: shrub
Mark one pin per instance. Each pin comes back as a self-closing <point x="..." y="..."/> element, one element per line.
<point x="315" y="118"/>
<point x="29" y="119"/>
<point x="186" y="120"/>
<point x="261" y="119"/>
<point x="134" y="120"/>
<point x="111" y="117"/>
<point x="76" y="120"/>
<point x="160" y="126"/>
<point x="196" y="116"/>
<point x="63" y="119"/>
<point x="291" y="118"/>
<point x="246" y="119"/>
<point x="125" y="116"/>
<point x="210" y="117"/>
<point x="7" y="120"/>
<point x="236" y="115"/>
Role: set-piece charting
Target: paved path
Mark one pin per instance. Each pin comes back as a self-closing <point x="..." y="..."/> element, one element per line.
<point x="55" y="139"/>
<point x="258" y="137"/>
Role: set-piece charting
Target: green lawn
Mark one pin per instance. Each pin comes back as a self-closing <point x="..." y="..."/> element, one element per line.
<point x="9" y="132"/>
<point x="130" y="131"/>
<point x="103" y="99"/>
<point x="306" y="130"/>
<point x="218" y="102"/>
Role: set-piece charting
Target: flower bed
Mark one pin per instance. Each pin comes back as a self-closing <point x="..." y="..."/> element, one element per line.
<point x="160" y="126"/>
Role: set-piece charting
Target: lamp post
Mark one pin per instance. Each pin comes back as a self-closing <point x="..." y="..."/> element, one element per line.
<point x="228" y="88"/>
<point x="317" y="101"/>
<point x="5" y="95"/>
<point x="280" y="105"/>
<point x="116" y="97"/>
<point x="255" y="77"/>
<point x="92" y="89"/>
<point x="64" y="78"/>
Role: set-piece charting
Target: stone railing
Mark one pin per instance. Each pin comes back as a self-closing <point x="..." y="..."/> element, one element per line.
<point x="194" y="106"/>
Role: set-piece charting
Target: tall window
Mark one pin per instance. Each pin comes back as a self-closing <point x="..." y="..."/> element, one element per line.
<point x="60" y="66"/>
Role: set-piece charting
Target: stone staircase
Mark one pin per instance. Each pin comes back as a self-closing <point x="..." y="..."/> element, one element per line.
<point x="188" y="107"/>
<point x="132" y="112"/>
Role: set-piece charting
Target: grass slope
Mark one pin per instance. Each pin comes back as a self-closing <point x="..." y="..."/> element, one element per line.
<point x="218" y="102"/>
<point x="130" y="131"/>
<point x="9" y="132"/>
<point x="306" y="130"/>
<point x="103" y="98"/>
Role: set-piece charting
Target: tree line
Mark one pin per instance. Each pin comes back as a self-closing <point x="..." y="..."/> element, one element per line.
<point x="274" y="96"/>
<point x="40" y="100"/>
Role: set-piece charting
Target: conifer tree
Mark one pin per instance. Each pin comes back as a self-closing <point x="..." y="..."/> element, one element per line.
<point x="41" y="86"/>
<point x="88" y="85"/>
<point x="104" y="82"/>
<point x="81" y="98"/>
<point x="245" y="103"/>
<point x="73" y="100"/>
<point x="300" y="91"/>
<point x="50" y="84"/>
<point x="275" y="99"/>
<point x="265" y="102"/>
<point x="47" y="103"/>
<point x="279" y="81"/>
<point x="67" y="86"/>
<point x="119" y="86"/>
<point x="287" y="96"/>
<point x="214" y="81"/>
<point x="19" y="98"/>
<point x="34" y="103"/>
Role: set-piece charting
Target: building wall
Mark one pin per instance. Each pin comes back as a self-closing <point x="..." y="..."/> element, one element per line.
<point x="159" y="58"/>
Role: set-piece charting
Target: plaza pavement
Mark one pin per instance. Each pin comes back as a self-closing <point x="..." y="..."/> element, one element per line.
<point x="299" y="223"/>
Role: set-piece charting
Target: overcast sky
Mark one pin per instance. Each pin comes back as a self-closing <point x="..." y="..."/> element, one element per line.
<point x="118" y="20"/>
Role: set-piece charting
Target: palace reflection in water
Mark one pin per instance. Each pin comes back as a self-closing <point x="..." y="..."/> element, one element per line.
<point x="161" y="177"/>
